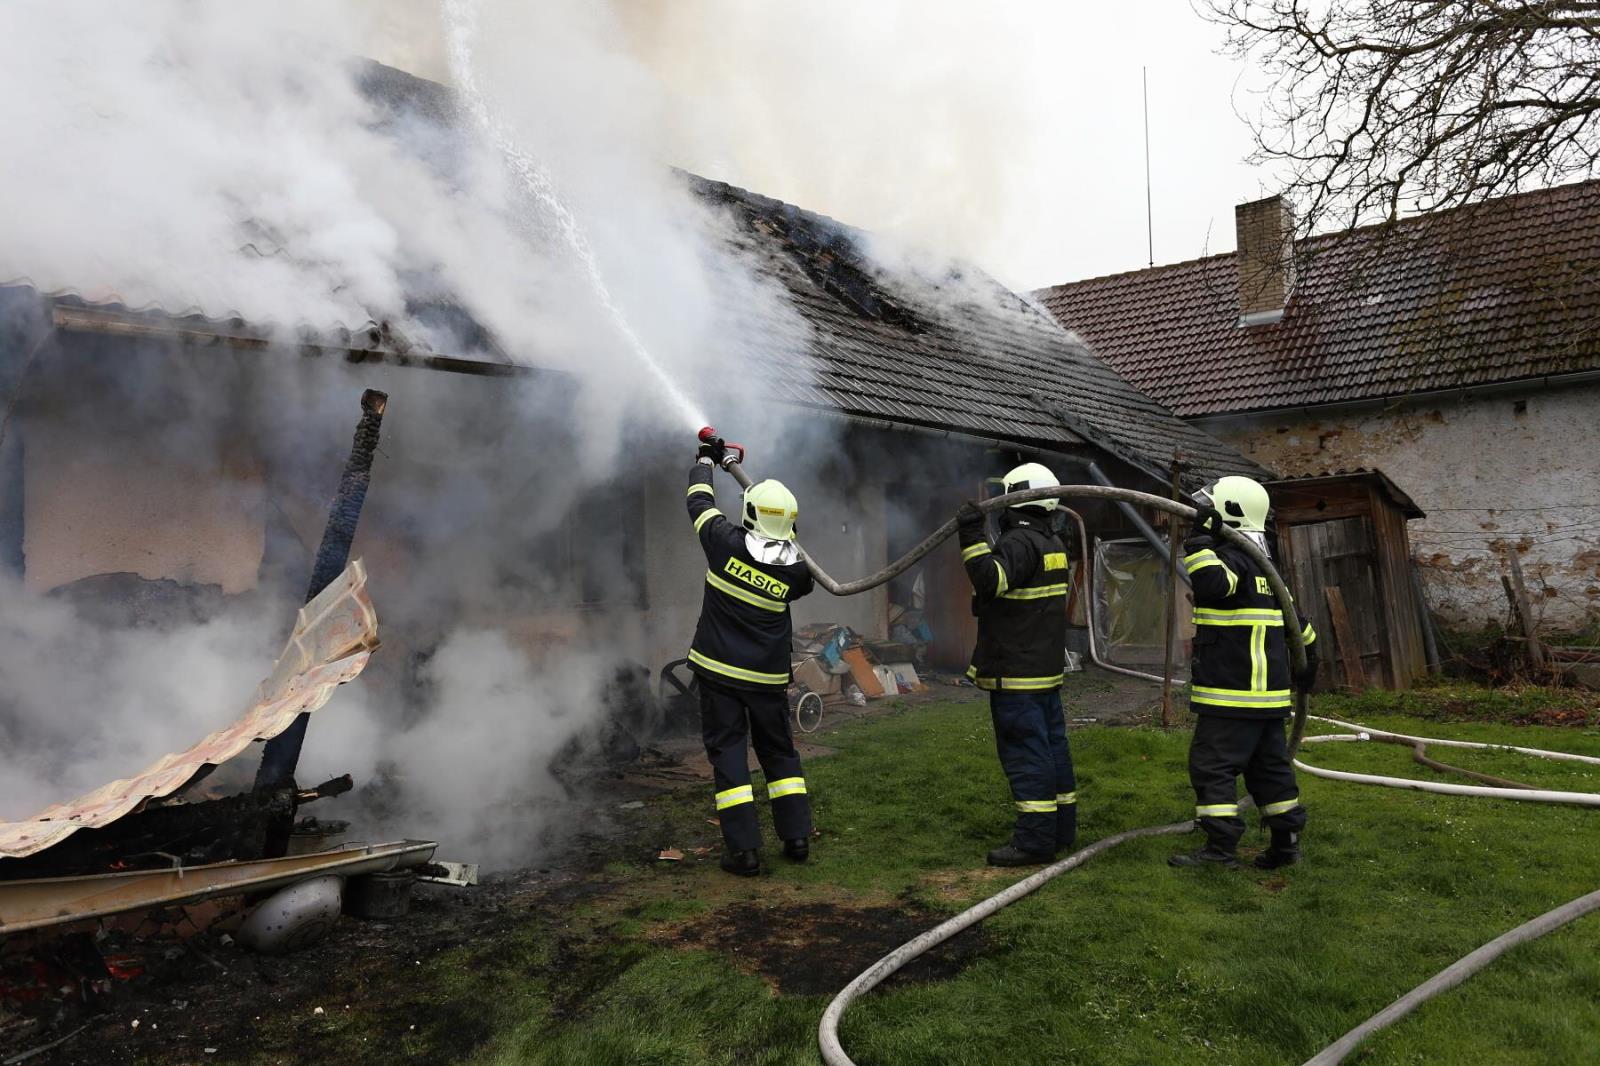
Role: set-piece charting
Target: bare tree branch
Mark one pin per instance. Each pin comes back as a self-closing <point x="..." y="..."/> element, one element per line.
<point x="1378" y="108"/>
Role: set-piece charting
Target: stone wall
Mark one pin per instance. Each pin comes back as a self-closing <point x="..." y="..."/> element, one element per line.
<point x="1496" y="472"/>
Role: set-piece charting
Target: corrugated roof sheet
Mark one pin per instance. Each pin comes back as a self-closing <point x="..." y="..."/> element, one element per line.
<point x="333" y="637"/>
<point x="1496" y="292"/>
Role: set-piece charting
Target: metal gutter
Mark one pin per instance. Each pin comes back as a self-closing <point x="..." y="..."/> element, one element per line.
<point x="34" y="904"/>
<point x="137" y="326"/>
<point x="1515" y="385"/>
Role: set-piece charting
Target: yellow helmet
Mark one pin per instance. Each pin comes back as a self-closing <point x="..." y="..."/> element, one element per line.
<point x="1242" y="502"/>
<point x="770" y="510"/>
<point x="1032" y="476"/>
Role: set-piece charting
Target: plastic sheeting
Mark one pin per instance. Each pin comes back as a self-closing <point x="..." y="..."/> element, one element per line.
<point x="1132" y="584"/>
<point x="333" y="637"/>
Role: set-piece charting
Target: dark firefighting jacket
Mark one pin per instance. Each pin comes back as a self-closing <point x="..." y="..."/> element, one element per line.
<point x="1019" y="590"/>
<point x="744" y="636"/>
<point x="1240" y="665"/>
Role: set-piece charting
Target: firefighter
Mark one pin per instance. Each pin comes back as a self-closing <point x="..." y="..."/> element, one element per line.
<point x="1239" y="684"/>
<point x="741" y="657"/>
<point x="1020" y="599"/>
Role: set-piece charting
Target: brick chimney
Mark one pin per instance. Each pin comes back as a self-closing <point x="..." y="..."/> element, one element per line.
<point x="1265" y="258"/>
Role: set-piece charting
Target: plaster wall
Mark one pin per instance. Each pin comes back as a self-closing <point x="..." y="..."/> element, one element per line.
<point x="1496" y="473"/>
<point x="99" y="507"/>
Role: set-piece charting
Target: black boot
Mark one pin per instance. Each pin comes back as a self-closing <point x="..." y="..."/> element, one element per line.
<point x="1011" y="855"/>
<point x="797" y="850"/>
<point x="1210" y="855"/>
<point x="743" y="863"/>
<point x="1285" y="851"/>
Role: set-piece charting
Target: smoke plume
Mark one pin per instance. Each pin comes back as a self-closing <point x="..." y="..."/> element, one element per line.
<point x="242" y="160"/>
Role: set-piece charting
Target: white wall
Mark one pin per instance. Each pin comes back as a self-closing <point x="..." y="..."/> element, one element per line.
<point x="1497" y="473"/>
<point x="114" y="506"/>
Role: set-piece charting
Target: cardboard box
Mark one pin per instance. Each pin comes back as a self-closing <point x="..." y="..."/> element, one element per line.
<point x="861" y="673"/>
<point x="907" y="674"/>
<point x="814" y="676"/>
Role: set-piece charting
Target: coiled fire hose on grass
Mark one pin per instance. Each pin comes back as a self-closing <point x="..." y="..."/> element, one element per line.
<point x="833" y="1052"/>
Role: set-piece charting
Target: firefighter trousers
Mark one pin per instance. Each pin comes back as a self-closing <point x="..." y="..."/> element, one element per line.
<point x="728" y="717"/>
<point x="1224" y="748"/>
<point x="1030" y="731"/>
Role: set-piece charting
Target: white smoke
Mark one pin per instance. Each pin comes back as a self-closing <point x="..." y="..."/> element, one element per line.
<point x="224" y="158"/>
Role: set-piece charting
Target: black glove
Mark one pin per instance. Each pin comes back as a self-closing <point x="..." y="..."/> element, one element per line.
<point x="969" y="516"/>
<point x="1305" y="680"/>
<point x="1210" y="523"/>
<point x="715" y="451"/>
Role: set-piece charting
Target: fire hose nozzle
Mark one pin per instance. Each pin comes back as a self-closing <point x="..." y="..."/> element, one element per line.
<point x="708" y="435"/>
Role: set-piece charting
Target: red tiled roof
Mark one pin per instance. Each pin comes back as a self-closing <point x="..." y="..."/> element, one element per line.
<point x="1495" y="292"/>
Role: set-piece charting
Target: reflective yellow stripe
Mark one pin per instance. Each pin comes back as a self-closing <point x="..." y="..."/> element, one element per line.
<point x="972" y="551"/>
<point x="1043" y="592"/>
<point x="737" y="672"/>
<point x="1055" y="561"/>
<point x="1001" y="582"/>
<point x="732" y="797"/>
<point x="1250" y="616"/>
<point x="1036" y="806"/>
<point x="786" y="786"/>
<point x="707" y="489"/>
<point x="1064" y="799"/>
<point x="1258" y="658"/>
<point x="706" y="516"/>
<point x="746" y="595"/>
<point x="1308" y="635"/>
<point x="1217" y="810"/>
<point x="1026" y="684"/>
<point x="1233" y="581"/>
<point x="1014" y="684"/>
<point x="1233" y="697"/>
<point x="1282" y="806"/>
<point x="1202" y="559"/>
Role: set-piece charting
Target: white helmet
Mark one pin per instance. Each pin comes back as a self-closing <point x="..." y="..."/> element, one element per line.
<point x="1242" y="502"/>
<point x="1032" y="476"/>
<point x="770" y="510"/>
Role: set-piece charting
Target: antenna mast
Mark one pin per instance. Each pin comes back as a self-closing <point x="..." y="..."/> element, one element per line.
<point x="1149" y="217"/>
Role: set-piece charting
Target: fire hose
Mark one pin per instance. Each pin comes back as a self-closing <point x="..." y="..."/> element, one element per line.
<point x="833" y="1052"/>
<point x="1295" y="641"/>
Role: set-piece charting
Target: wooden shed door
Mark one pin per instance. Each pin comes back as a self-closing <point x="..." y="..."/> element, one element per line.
<point x="1341" y="554"/>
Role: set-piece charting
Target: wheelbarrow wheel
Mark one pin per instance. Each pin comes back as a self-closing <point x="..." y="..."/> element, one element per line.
<point x="808" y="712"/>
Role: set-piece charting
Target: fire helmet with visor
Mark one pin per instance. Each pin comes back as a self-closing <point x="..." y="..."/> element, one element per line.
<point x="770" y="510"/>
<point x="1242" y="502"/>
<point x="1032" y="476"/>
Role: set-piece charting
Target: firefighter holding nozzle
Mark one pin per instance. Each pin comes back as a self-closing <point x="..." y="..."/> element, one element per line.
<point x="741" y="654"/>
<point x="1240" y="684"/>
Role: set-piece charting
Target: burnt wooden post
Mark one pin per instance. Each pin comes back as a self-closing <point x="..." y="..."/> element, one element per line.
<point x="282" y="754"/>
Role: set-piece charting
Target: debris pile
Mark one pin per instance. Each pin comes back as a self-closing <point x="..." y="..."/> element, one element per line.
<point x="838" y="665"/>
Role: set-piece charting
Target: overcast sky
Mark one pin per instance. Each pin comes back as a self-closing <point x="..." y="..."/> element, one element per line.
<point x="1011" y="132"/>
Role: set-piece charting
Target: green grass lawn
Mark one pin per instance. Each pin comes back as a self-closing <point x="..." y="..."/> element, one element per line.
<point x="1123" y="961"/>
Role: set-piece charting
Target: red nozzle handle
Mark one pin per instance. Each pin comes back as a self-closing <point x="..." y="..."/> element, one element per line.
<point x="708" y="435"/>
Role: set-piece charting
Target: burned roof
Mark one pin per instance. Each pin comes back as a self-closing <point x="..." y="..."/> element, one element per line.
<point x="1504" y="291"/>
<point x="952" y="349"/>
